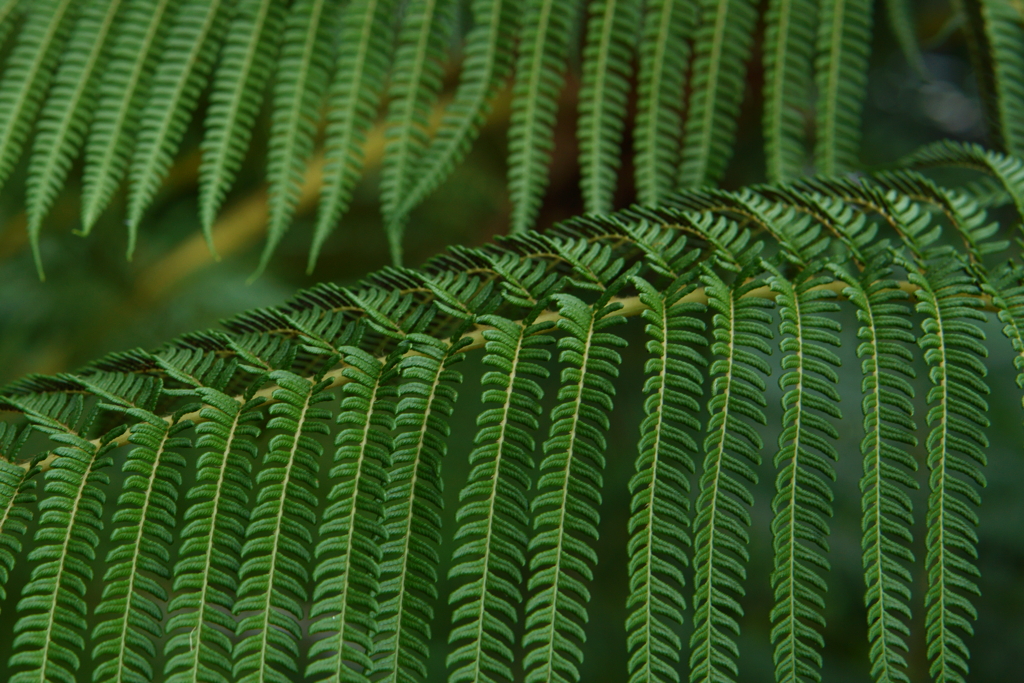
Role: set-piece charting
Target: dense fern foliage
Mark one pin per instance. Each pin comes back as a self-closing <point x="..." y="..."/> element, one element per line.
<point x="280" y="496"/>
<point x="117" y="83"/>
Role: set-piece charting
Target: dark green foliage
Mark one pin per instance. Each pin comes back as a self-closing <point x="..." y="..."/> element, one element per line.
<point x="285" y="565"/>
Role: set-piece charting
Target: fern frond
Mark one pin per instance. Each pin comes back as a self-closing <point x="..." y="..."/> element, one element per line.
<point x="719" y="74"/>
<point x="206" y="574"/>
<point x="1005" y="36"/>
<point x="139" y="562"/>
<point x="731" y="446"/>
<point x="351" y="532"/>
<point x="488" y="61"/>
<point x="661" y="486"/>
<point x="540" y="75"/>
<point x="10" y="12"/>
<point x="246" y="63"/>
<point x="844" y="42"/>
<point x="569" y="491"/>
<point x="494" y="512"/>
<point x="804" y="498"/>
<point x="415" y="84"/>
<point x="123" y="86"/>
<point x="788" y="61"/>
<point x="17" y="498"/>
<point x="275" y="557"/>
<point x="664" y="52"/>
<point x="889" y="429"/>
<point x="28" y="73"/>
<point x="180" y="76"/>
<point x="1008" y="170"/>
<point x="412" y="510"/>
<point x="1007" y="294"/>
<point x="952" y="347"/>
<point x="607" y="69"/>
<point x="301" y="81"/>
<point x="67" y="112"/>
<point x="49" y="632"/>
<point x="356" y="88"/>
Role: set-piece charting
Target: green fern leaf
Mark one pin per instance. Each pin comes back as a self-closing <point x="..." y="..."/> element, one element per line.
<point x="67" y="113"/>
<point x="844" y="42"/>
<point x="411" y="516"/>
<point x="273" y="574"/>
<point x="569" y="490"/>
<point x="607" y="69"/>
<point x="246" y="64"/>
<point x="495" y="510"/>
<point x="48" y="634"/>
<point x="888" y="425"/>
<point x="1005" y="36"/>
<point x="138" y="563"/>
<point x="28" y="73"/>
<point x="351" y="532"/>
<point x="664" y="53"/>
<point x="301" y="81"/>
<point x="486" y="65"/>
<point x="661" y="485"/>
<point x="10" y="12"/>
<point x="123" y="86"/>
<point x="363" y="61"/>
<point x="803" y="498"/>
<point x="721" y="52"/>
<point x="180" y="76"/>
<point x="206" y="574"/>
<point x="17" y="499"/>
<point x="415" y="84"/>
<point x="1008" y="297"/>
<point x="788" y="58"/>
<point x="731" y="443"/>
<point x="539" y="77"/>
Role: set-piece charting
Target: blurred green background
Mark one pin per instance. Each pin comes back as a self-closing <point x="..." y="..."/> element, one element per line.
<point x="94" y="301"/>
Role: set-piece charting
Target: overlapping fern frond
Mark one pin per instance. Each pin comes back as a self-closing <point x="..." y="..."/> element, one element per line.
<point x="119" y="81"/>
<point x="289" y="562"/>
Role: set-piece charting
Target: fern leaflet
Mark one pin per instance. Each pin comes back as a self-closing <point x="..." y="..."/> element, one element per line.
<point x="788" y="58"/>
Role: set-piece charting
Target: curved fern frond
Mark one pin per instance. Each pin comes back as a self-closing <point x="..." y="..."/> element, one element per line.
<point x="953" y="349"/>
<point x="487" y="64"/>
<point x="1007" y="292"/>
<point x="139" y="564"/>
<point x="607" y="69"/>
<point x="569" y="490"/>
<point x="719" y="71"/>
<point x="29" y="71"/>
<point x="123" y="86"/>
<point x="300" y="83"/>
<point x="49" y="631"/>
<point x="889" y="429"/>
<point x="495" y="512"/>
<point x="844" y="42"/>
<point x="351" y="531"/>
<point x="276" y="554"/>
<point x="206" y="574"/>
<point x="17" y="496"/>
<point x="1004" y="37"/>
<point x="246" y="64"/>
<point x="661" y="486"/>
<point x="788" y="60"/>
<point x="67" y="113"/>
<point x="664" y="52"/>
<point x="412" y="517"/>
<point x="363" y="60"/>
<point x="179" y="78"/>
<point x="540" y="75"/>
<point x="803" y="497"/>
<point x="415" y="84"/>
<point x="731" y="446"/>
